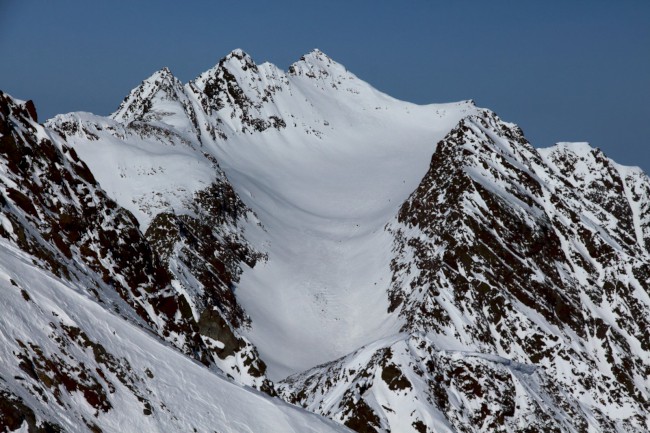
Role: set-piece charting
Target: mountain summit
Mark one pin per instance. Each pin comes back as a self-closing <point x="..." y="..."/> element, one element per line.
<point x="387" y="266"/>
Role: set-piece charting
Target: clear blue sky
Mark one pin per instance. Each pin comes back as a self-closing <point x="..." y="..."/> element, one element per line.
<point x="567" y="70"/>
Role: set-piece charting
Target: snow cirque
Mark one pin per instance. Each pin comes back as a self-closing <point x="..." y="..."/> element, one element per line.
<point x="393" y="267"/>
<point x="323" y="185"/>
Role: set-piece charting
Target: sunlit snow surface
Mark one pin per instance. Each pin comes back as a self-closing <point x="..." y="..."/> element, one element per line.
<point x="183" y="394"/>
<point x="323" y="188"/>
<point x="324" y="202"/>
<point x="326" y="162"/>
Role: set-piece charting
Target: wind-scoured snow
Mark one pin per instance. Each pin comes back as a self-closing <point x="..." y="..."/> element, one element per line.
<point x="146" y="169"/>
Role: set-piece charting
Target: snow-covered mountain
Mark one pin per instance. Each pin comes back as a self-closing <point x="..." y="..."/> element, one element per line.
<point x="393" y="267"/>
<point x="96" y="334"/>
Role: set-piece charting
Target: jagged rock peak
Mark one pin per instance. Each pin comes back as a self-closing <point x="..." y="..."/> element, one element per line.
<point x="164" y="72"/>
<point x="228" y="68"/>
<point x="10" y="105"/>
<point x="240" y="54"/>
<point x="484" y="126"/>
<point x="316" y="55"/>
<point x="238" y="59"/>
<point x="139" y="101"/>
<point x="239" y="86"/>
<point x="317" y="64"/>
<point x="158" y="79"/>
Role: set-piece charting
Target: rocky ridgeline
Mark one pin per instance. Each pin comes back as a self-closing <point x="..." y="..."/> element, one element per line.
<point x="201" y="245"/>
<point x="53" y="209"/>
<point x="534" y="264"/>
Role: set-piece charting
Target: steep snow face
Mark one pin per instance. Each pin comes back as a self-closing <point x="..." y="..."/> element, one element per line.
<point x="323" y="187"/>
<point x="323" y="201"/>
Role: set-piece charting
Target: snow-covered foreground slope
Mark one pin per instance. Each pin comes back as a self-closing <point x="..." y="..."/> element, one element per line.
<point x="414" y="382"/>
<point x="76" y="365"/>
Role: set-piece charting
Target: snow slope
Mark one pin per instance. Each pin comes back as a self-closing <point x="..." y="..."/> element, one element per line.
<point x="107" y="372"/>
<point x="94" y="334"/>
<point x="324" y="200"/>
<point x="144" y="167"/>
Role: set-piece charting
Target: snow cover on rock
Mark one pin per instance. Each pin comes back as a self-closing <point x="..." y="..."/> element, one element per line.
<point x="507" y="257"/>
<point x="408" y="383"/>
<point x="88" y="342"/>
<point x="80" y="367"/>
<point x="320" y="156"/>
<point x="409" y="268"/>
<point x="185" y="205"/>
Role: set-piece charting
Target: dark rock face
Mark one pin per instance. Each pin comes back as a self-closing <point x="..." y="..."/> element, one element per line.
<point x="209" y="248"/>
<point x="233" y="88"/>
<point x="14" y="414"/>
<point x="512" y="230"/>
<point x="211" y="256"/>
<point x="533" y="260"/>
<point x="31" y="109"/>
<point x="61" y="216"/>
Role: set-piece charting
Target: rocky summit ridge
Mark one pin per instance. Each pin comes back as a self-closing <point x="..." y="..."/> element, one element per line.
<point x="381" y="265"/>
